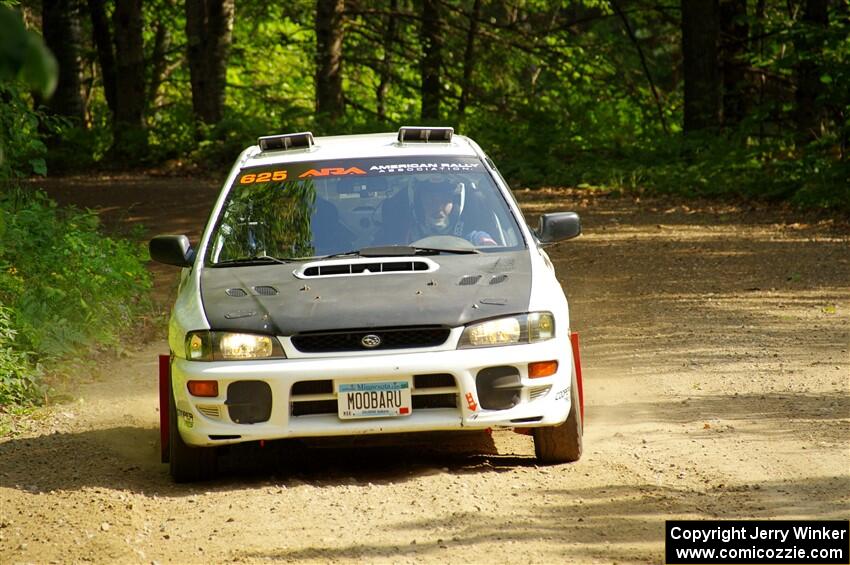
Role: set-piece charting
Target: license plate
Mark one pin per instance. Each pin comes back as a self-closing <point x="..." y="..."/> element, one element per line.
<point x="374" y="399"/>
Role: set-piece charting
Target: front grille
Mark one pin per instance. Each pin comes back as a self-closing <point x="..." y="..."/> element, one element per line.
<point x="434" y="380"/>
<point x="313" y="387"/>
<point x="391" y="338"/>
<point x="314" y="407"/>
<point x="437" y="390"/>
<point x="434" y="401"/>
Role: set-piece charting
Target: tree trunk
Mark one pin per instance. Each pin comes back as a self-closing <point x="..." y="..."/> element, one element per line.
<point x="128" y="123"/>
<point x="700" y="31"/>
<point x="734" y="35"/>
<point x="386" y="63"/>
<point x="330" y="102"/>
<point x="432" y="59"/>
<point x="209" y="30"/>
<point x="102" y="38"/>
<point x="468" y="61"/>
<point x="809" y="111"/>
<point x="60" y="24"/>
<point x="159" y="63"/>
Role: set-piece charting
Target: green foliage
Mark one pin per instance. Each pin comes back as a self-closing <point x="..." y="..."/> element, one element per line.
<point x="559" y="93"/>
<point x="20" y="383"/>
<point x="68" y="286"/>
<point x="22" y="151"/>
<point x="23" y="55"/>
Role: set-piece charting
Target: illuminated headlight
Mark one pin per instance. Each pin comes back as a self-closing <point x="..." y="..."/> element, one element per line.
<point x="227" y="346"/>
<point x="525" y="328"/>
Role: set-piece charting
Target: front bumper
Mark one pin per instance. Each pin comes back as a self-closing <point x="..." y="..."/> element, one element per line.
<point x="543" y="401"/>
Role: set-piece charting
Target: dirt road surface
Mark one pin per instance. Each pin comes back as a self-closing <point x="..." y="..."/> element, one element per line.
<point x="717" y="380"/>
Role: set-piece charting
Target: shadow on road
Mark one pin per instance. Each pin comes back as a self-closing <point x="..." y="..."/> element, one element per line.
<point x="127" y="458"/>
<point x="617" y="523"/>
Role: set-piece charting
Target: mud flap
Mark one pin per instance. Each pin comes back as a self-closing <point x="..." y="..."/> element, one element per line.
<point x="164" y="378"/>
<point x="577" y="359"/>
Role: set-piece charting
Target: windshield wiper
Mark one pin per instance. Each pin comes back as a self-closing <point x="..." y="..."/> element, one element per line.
<point x="256" y="260"/>
<point x="455" y="250"/>
<point x="401" y="251"/>
<point x="335" y="255"/>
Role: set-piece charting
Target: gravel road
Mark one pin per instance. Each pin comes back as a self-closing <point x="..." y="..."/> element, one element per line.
<point x="717" y="381"/>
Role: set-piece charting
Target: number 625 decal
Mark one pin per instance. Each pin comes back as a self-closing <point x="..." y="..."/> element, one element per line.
<point x="252" y="178"/>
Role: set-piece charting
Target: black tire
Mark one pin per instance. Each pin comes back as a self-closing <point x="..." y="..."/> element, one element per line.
<point x="561" y="444"/>
<point x="187" y="463"/>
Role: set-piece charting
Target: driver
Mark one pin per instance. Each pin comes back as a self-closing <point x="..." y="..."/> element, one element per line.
<point x="438" y="205"/>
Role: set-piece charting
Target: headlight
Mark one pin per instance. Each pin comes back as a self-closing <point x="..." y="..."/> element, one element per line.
<point x="525" y="328"/>
<point x="224" y="346"/>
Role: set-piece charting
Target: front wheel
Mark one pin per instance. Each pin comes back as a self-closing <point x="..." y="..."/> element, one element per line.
<point x="187" y="463"/>
<point x="561" y="444"/>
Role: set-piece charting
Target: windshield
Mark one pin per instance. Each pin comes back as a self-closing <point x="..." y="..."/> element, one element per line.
<point x="308" y="209"/>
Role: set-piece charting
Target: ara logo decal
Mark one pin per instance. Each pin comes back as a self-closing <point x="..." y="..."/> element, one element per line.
<point x="470" y="402"/>
<point x="331" y="172"/>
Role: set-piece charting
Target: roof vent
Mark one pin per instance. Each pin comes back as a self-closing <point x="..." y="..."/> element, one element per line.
<point x="302" y="140"/>
<point x="408" y="134"/>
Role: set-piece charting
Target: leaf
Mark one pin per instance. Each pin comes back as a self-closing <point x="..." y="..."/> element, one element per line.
<point x="40" y="68"/>
<point x="39" y="167"/>
<point x="23" y="54"/>
<point x="826" y="79"/>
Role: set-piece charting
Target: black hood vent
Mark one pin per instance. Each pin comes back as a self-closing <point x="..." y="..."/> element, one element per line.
<point x="265" y="290"/>
<point x="236" y="292"/>
<point x="367" y="266"/>
<point x="498" y="279"/>
<point x="469" y="280"/>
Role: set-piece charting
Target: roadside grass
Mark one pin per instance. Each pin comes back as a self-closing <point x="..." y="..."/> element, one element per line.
<point x="67" y="292"/>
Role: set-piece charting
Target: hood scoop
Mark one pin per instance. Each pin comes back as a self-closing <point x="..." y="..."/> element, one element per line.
<point x="265" y="290"/>
<point x="365" y="266"/>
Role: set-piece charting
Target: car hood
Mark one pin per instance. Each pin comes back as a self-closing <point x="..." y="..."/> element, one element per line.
<point x="272" y="299"/>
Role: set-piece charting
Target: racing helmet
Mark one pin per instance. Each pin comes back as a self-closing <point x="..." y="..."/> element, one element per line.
<point x="431" y="195"/>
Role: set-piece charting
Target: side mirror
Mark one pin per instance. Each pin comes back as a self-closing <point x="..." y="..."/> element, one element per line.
<point x="558" y="226"/>
<point x="172" y="250"/>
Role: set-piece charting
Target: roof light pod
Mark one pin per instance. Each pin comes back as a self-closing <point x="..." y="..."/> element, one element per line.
<point x="302" y="140"/>
<point x="413" y="134"/>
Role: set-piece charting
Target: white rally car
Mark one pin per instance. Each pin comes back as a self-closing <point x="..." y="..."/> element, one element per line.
<point x="366" y="284"/>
